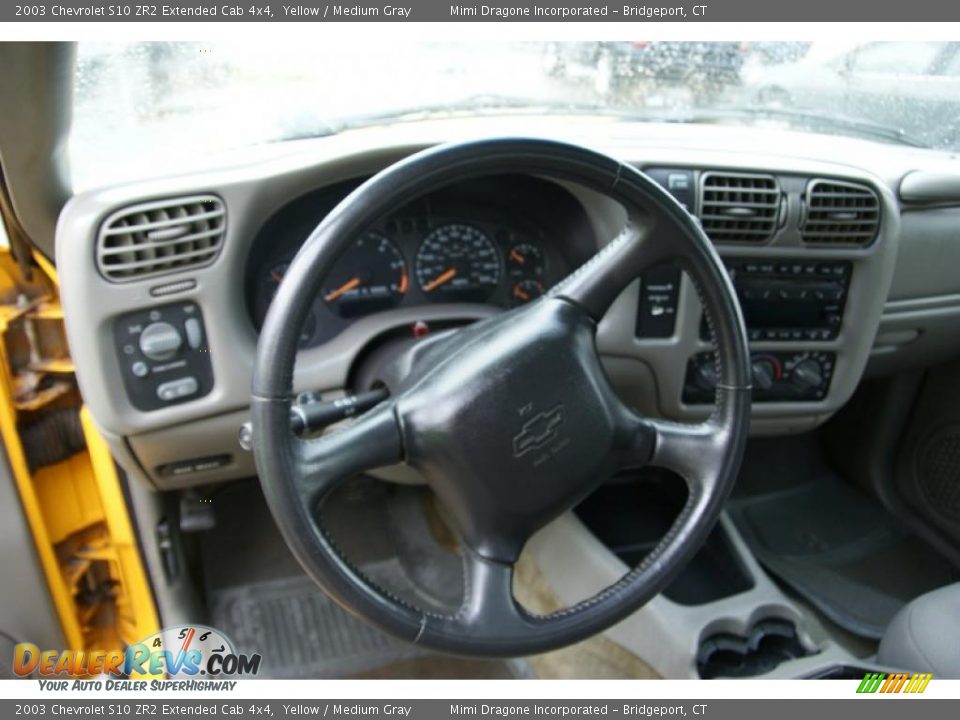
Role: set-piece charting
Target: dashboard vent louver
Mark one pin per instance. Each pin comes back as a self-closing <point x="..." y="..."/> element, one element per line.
<point x="161" y="237"/>
<point x="840" y="213"/>
<point x="737" y="207"/>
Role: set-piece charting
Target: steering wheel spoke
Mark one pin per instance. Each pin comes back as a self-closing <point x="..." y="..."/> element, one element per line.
<point x="488" y="595"/>
<point x="597" y="283"/>
<point x="370" y="441"/>
<point x="692" y="450"/>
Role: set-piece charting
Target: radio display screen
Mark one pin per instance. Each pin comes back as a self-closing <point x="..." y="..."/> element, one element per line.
<point x="782" y="313"/>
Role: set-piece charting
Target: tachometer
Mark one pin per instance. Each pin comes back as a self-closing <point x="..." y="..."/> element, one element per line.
<point x="458" y="263"/>
<point x="370" y="276"/>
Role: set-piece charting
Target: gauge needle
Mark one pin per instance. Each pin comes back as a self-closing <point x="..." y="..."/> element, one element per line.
<point x="521" y="294"/>
<point x="345" y="288"/>
<point x="277" y="277"/>
<point x="517" y="256"/>
<point x="443" y="277"/>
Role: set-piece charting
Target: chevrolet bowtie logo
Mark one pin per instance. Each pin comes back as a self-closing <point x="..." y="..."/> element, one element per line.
<point x="538" y="431"/>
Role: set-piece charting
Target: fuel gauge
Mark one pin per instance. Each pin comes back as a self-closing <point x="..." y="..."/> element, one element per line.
<point x="525" y="291"/>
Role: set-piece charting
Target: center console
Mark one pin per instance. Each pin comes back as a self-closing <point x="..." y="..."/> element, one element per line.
<point x="783" y="301"/>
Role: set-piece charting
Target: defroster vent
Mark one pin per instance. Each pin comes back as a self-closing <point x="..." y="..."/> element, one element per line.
<point x="739" y="207"/>
<point x="161" y="237"/>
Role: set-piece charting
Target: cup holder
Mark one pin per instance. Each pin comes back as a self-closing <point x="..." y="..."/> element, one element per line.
<point x="769" y="643"/>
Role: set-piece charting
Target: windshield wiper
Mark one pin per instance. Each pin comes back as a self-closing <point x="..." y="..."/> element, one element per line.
<point x="806" y="119"/>
<point x="473" y="105"/>
<point x="494" y="104"/>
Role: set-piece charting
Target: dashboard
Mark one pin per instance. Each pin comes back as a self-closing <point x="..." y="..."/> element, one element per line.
<point x="499" y="242"/>
<point x="840" y="272"/>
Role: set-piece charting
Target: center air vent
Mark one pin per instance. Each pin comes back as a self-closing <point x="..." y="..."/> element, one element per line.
<point x="736" y="207"/>
<point x="840" y="213"/>
<point x="161" y="237"/>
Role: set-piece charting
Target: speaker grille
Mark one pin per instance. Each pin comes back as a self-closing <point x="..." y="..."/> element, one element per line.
<point x="938" y="477"/>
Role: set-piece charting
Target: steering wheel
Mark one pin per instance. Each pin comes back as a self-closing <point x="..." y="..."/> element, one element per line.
<point x="512" y="420"/>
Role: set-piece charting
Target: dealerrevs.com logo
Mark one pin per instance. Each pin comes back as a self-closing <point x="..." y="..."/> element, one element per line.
<point x="908" y="683"/>
<point x="185" y="651"/>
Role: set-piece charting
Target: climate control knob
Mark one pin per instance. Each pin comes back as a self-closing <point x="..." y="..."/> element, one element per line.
<point x="763" y="373"/>
<point x="706" y="375"/>
<point x="160" y="341"/>
<point x="807" y="375"/>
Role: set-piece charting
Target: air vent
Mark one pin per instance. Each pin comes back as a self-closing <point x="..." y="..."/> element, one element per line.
<point x="161" y="237"/>
<point x="736" y="207"/>
<point x="840" y="213"/>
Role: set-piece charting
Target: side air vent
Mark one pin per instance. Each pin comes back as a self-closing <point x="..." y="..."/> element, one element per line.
<point x="161" y="237"/>
<point x="840" y="213"/>
<point x="736" y="207"/>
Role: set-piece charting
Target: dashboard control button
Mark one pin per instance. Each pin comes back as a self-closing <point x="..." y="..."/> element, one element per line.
<point x="176" y="389"/>
<point x="194" y="333"/>
<point x="807" y="375"/>
<point x="762" y="374"/>
<point x="160" y="341"/>
<point x="707" y="375"/>
<point x="140" y="369"/>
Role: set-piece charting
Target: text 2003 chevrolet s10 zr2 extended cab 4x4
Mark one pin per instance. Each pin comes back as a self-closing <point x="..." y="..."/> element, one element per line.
<point x="541" y="360"/>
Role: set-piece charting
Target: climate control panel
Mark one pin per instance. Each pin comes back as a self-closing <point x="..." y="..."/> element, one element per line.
<point x="163" y="355"/>
<point x="776" y="376"/>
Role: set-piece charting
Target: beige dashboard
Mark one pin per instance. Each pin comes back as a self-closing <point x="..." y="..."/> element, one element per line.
<point x="177" y="435"/>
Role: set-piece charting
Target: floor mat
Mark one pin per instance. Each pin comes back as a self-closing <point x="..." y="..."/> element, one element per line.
<point x="300" y="632"/>
<point x="259" y="597"/>
<point x="841" y="551"/>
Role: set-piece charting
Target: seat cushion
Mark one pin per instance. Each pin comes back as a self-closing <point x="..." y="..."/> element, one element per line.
<point x="925" y="635"/>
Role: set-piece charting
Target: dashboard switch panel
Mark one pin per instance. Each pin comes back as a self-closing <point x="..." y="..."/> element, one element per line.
<point x="679" y="182"/>
<point x="776" y="377"/>
<point x="659" y="294"/>
<point x="163" y="355"/>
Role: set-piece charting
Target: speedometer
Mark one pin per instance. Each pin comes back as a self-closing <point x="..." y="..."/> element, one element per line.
<point x="458" y="263"/>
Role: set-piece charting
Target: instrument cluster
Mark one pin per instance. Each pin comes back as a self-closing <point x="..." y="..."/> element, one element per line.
<point x="466" y="245"/>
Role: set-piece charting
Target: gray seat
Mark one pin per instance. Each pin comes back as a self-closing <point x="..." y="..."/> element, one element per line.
<point x="925" y="635"/>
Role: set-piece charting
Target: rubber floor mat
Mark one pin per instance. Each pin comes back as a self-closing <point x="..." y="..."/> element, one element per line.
<point x="300" y="632"/>
<point x="841" y="551"/>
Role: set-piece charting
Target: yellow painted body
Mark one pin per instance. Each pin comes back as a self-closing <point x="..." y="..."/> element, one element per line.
<point x="74" y="506"/>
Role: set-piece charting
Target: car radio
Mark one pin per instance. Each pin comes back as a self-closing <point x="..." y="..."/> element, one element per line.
<point x="782" y="300"/>
<point x="790" y="300"/>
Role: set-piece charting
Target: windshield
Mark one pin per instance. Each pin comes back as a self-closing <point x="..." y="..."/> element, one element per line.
<point x="151" y="108"/>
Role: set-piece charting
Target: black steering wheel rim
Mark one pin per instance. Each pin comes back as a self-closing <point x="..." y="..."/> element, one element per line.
<point x="295" y="473"/>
